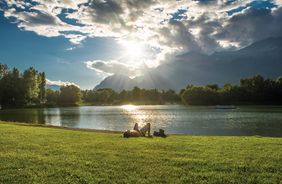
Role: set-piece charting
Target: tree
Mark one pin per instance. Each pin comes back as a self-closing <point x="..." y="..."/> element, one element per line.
<point x="70" y="95"/>
<point x="170" y="96"/>
<point x="31" y="84"/>
<point x="3" y="70"/>
<point x="52" y="97"/>
<point x="123" y="96"/>
<point x="136" y="94"/>
<point x="11" y="89"/>
<point x="279" y="80"/>
<point x="42" y="86"/>
<point x="212" y="86"/>
<point x="199" y="95"/>
<point x="279" y="89"/>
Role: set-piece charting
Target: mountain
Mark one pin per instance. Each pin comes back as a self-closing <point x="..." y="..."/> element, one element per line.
<point x="53" y="87"/>
<point x="117" y="82"/>
<point x="263" y="57"/>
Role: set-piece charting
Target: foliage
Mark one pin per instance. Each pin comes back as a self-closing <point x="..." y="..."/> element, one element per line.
<point x="47" y="155"/>
<point x="69" y="95"/>
<point x="200" y="95"/>
<point x="137" y="95"/>
<point x="52" y="97"/>
<point x="18" y="90"/>
<point x="42" y="86"/>
<point x="254" y="90"/>
<point x="31" y="85"/>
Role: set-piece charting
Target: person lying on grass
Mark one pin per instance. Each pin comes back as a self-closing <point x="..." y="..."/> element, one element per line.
<point x="138" y="133"/>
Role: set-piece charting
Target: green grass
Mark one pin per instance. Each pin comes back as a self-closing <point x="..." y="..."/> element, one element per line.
<point x="30" y="154"/>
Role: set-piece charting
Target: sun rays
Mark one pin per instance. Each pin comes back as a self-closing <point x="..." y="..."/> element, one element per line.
<point x="133" y="50"/>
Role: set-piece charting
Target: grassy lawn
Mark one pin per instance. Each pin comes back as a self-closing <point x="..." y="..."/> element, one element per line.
<point x="30" y="154"/>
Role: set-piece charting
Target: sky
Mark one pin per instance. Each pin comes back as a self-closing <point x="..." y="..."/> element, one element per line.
<point x="83" y="41"/>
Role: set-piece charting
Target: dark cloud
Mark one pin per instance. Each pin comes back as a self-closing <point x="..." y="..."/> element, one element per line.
<point x="137" y="7"/>
<point x="110" y="67"/>
<point x="104" y="11"/>
<point x="251" y="25"/>
<point x="40" y="18"/>
<point x="206" y="1"/>
<point x="176" y="34"/>
<point x="207" y="27"/>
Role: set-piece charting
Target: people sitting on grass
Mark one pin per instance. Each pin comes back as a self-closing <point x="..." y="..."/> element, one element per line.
<point x="142" y="132"/>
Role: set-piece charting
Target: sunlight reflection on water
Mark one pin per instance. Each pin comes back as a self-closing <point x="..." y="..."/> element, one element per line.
<point x="135" y="115"/>
<point x="129" y="107"/>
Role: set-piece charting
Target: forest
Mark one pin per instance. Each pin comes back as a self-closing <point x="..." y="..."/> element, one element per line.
<point x="28" y="89"/>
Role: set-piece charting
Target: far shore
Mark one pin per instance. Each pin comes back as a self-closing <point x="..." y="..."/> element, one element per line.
<point x="136" y="104"/>
<point x="85" y="104"/>
<point x="115" y="131"/>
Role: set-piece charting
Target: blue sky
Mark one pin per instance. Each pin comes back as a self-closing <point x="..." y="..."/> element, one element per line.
<point x="23" y="49"/>
<point x="84" y="41"/>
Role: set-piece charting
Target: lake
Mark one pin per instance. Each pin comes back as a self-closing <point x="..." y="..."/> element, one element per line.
<point x="174" y="119"/>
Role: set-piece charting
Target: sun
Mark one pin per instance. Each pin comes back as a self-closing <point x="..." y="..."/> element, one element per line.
<point x="133" y="50"/>
<point x="137" y="54"/>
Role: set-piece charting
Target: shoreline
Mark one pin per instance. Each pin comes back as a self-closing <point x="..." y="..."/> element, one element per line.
<point x="58" y="127"/>
<point x="24" y="124"/>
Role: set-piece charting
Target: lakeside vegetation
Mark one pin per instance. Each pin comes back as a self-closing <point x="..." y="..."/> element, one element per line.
<point x="108" y="96"/>
<point x="28" y="89"/>
<point x="21" y="89"/>
<point x="48" y="155"/>
<point x="250" y="91"/>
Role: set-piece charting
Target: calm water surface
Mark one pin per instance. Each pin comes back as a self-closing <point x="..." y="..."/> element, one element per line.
<point x="177" y="119"/>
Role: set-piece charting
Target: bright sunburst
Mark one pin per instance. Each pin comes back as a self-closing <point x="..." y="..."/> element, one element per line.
<point x="133" y="50"/>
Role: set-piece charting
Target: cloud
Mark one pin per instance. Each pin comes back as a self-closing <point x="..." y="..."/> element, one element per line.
<point x="112" y="67"/>
<point x="152" y="21"/>
<point x="60" y="83"/>
<point x="41" y="18"/>
<point x="278" y="2"/>
<point x="171" y="27"/>
<point x="251" y="25"/>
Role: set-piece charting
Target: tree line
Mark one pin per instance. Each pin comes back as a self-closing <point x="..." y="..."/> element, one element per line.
<point x="29" y="89"/>
<point x="136" y="96"/>
<point x="250" y="91"/>
<point x="21" y="89"/>
<point x="70" y="95"/>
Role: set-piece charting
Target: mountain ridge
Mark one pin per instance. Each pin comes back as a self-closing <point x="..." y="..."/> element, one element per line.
<point x="200" y="69"/>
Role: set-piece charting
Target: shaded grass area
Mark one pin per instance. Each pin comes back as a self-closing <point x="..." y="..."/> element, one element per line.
<point x="31" y="154"/>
